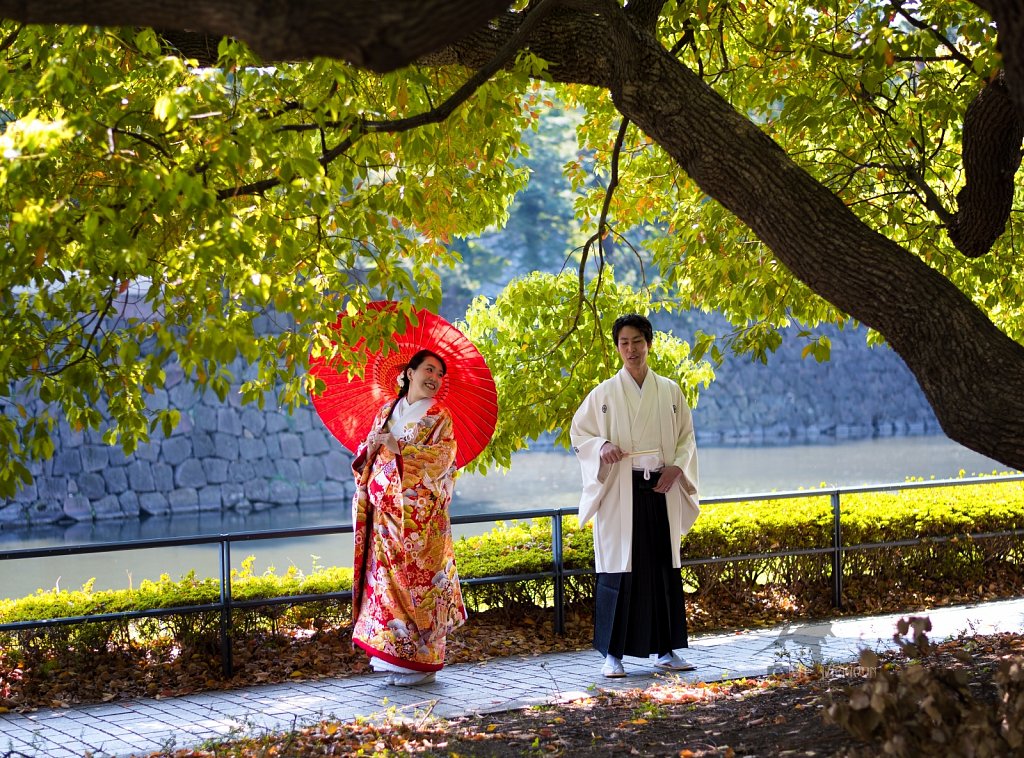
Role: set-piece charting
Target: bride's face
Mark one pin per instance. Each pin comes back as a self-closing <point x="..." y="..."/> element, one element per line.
<point x="424" y="380"/>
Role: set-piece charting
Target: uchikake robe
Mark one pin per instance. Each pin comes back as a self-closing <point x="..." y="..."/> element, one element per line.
<point x="607" y="496"/>
<point x="406" y="596"/>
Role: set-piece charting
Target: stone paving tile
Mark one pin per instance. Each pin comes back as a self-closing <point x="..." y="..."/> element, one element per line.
<point x="141" y="726"/>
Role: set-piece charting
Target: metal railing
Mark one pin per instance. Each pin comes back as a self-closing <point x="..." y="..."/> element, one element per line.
<point x="557" y="574"/>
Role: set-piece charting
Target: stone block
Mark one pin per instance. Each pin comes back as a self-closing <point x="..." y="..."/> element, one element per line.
<point x="226" y="445"/>
<point x="241" y="471"/>
<point x="67" y="462"/>
<point x="77" y="507"/>
<point x="339" y="493"/>
<point x="183" y="500"/>
<point x="93" y="486"/>
<point x="174" y="374"/>
<point x="106" y="508"/>
<point x="257" y="491"/>
<point x="254" y="421"/>
<point x="273" y="446"/>
<point x="95" y="457"/>
<point x="216" y="470"/>
<point x="291" y="446"/>
<point x="276" y="422"/>
<point x="338" y="465"/>
<point x="311" y="471"/>
<point x="284" y="493"/>
<point x="288" y="469"/>
<point x="129" y="502"/>
<point x="202" y="445"/>
<point x="140" y="476"/>
<point x="184" y="427"/>
<point x="251" y="448"/>
<point x="183" y="395"/>
<point x="229" y="422"/>
<point x="232" y="495"/>
<point x="69" y="437"/>
<point x="190" y="474"/>
<point x="154" y="504"/>
<point x="29" y="492"/>
<point x="210" y="498"/>
<point x="159" y="400"/>
<point x="316" y="441"/>
<point x="149" y="451"/>
<point x="45" y="513"/>
<point x="52" y="488"/>
<point x="163" y="477"/>
<point x="302" y="420"/>
<point x="176" y="450"/>
<point x="204" y="418"/>
<point x="13" y="514"/>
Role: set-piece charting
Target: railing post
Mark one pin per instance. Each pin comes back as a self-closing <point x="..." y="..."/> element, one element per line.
<point x="225" y="606"/>
<point x="837" y="553"/>
<point x="559" y="570"/>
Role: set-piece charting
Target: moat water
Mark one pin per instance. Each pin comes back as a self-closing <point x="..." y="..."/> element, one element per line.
<point x="536" y="480"/>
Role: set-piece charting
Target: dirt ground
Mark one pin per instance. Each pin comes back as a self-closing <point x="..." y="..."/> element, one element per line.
<point x="774" y="716"/>
<point x="785" y="720"/>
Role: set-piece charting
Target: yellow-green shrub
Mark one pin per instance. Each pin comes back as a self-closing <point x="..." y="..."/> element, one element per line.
<point x="524" y="548"/>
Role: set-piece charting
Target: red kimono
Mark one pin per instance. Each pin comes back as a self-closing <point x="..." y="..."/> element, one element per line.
<point x="406" y="596"/>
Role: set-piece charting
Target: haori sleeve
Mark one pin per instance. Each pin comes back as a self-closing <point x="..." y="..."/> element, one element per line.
<point x="587" y="438"/>
<point x="686" y="444"/>
<point x="359" y="459"/>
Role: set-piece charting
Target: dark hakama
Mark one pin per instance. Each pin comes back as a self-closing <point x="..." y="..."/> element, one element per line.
<point x="643" y="612"/>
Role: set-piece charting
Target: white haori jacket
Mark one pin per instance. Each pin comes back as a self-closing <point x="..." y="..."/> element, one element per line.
<point x="607" y="496"/>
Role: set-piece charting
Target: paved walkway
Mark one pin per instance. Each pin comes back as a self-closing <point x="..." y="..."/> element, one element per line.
<point x="137" y="727"/>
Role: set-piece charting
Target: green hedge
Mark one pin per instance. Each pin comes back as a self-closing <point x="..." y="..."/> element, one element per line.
<point x="524" y="547"/>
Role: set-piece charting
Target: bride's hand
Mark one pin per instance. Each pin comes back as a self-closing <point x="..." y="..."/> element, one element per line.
<point x="377" y="438"/>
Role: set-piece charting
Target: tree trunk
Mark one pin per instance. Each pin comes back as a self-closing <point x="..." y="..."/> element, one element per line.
<point x="971" y="373"/>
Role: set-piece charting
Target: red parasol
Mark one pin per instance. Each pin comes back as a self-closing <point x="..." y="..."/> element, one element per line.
<point x="348" y="406"/>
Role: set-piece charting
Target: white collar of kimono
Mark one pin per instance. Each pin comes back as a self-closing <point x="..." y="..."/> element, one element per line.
<point x="406" y="414"/>
<point x="648" y="456"/>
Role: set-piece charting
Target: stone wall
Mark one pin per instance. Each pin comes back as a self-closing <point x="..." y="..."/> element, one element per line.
<point x="222" y="456"/>
<point x="862" y="392"/>
<point x="227" y="457"/>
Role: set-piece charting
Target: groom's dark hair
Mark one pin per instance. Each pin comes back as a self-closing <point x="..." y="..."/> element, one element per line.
<point x="637" y="322"/>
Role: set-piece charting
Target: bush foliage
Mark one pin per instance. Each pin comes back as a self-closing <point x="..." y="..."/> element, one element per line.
<point x="955" y="526"/>
<point x="924" y="708"/>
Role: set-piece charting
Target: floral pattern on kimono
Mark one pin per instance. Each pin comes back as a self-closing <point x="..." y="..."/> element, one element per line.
<point x="406" y="596"/>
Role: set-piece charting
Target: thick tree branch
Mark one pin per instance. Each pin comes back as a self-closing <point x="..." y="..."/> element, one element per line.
<point x="992" y="154"/>
<point x="379" y="35"/>
<point x="1008" y="16"/>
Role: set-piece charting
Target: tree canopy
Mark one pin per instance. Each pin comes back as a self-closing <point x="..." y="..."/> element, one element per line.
<point x="167" y="191"/>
